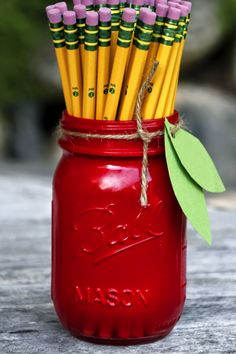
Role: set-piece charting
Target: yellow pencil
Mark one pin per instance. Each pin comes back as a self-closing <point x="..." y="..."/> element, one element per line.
<point x="114" y="6"/>
<point x="137" y="25"/>
<point x="161" y="106"/>
<point x="80" y="11"/>
<point x="161" y="12"/>
<point x="73" y="59"/>
<point x="143" y="36"/>
<point x="175" y="78"/>
<point x="90" y="65"/>
<point x="57" y="30"/>
<point x="136" y="5"/>
<point x="163" y="57"/>
<point x="120" y="60"/>
<point x="103" y="72"/>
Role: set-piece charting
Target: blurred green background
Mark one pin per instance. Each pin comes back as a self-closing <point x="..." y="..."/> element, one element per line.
<point x="31" y="101"/>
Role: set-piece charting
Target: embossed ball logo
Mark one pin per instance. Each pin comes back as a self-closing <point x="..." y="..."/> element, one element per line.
<point x="100" y="234"/>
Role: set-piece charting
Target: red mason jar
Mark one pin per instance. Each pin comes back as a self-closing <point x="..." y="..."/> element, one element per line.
<point x="118" y="269"/>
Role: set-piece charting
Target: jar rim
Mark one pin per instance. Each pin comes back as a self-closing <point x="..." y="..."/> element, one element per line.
<point x="110" y="147"/>
<point x="69" y="122"/>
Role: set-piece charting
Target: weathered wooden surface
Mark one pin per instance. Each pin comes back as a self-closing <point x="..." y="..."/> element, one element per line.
<point x="28" y="323"/>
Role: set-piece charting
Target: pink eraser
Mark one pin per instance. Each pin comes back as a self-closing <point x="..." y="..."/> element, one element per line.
<point x="87" y="2"/>
<point x="152" y="3"/>
<point x="92" y="18"/>
<point x="188" y="4"/>
<point x="138" y="2"/>
<point x="100" y="2"/>
<point x="161" y="10"/>
<point x="80" y="11"/>
<point x="122" y="1"/>
<point x="54" y="16"/>
<point x="177" y="1"/>
<point x="161" y="2"/>
<point x="146" y="2"/>
<point x="172" y="3"/>
<point x="49" y="7"/>
<point x="149" y="18"/>
<point x="173" y="13"/>
<point x="113" y="2"/>
<point x="142" y="11"/>
<point x="76" y="2"/>
<point x="184" y="10"/>
<point x="69" y="17"/>
<point x="61" y="6"/>
<point x="104" y="14"/>
<point x="129" y="15"/>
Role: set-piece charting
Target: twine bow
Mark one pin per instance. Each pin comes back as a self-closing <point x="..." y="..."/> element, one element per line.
<point x="141" y="133"/>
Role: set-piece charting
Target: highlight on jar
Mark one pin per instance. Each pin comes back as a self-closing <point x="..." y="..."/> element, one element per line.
<point x="126" y="182"/>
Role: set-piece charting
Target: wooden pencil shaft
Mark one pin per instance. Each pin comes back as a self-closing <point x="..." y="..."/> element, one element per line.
<point x="118" y="70"/>
<point x="74" y="68"/>
<point x="81" y="28"/>
<point x="115" y="24"/>
<point x="168" y="81"/>
<point x="163" y="57"/>
<point x="176" y="77"/>
<point x="143" y="36"/>
<point x="57" y="32"/>
<point x="156" y="37"/>
<point x="103" y="72"/>
<point x="170" y="105"/>
<point x="90" y="71"/>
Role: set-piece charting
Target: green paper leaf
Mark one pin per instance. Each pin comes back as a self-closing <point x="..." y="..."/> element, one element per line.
<point x="188" y="193"/>
<point x="196" y="160"/>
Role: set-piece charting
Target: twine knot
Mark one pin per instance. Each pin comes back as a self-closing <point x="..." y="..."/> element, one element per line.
<point x="145" y="136"/>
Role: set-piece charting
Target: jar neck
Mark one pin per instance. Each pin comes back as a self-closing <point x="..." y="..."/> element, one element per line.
<point x="71" y="126"/>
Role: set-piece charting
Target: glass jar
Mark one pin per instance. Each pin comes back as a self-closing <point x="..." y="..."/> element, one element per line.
<point x="118" y="269"/>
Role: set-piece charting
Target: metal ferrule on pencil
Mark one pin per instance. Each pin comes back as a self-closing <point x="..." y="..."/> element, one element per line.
<point x="91" y="37"/>
<point x="104" y="37"/>
<point x="71" y="36"/>
<point x="115" y="16"/>
<point x="81" y="28"/>
<point x="168" y="35"/>
<point x="144" y="37"/>
<point x="125" y="34"/>
<point x="57" y="32"/>
<point x="122" y="7"/>
<point x="181" y="28"/>
<point x="158" y="29"/>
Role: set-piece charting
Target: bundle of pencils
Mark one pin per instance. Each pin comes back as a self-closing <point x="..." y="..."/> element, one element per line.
<point x="105" y="50"/>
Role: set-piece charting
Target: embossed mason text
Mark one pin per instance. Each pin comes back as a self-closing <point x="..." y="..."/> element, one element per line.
<point x="111" y="297"/>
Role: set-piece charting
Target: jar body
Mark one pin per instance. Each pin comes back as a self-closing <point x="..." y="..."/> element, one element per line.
<point x="118" y="269"/>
